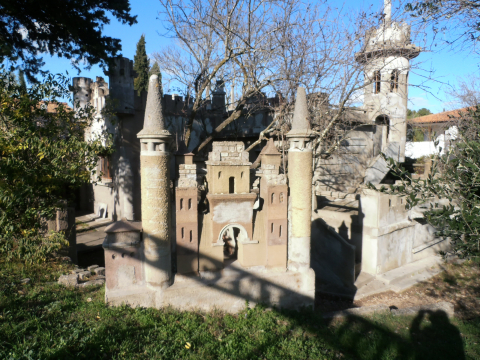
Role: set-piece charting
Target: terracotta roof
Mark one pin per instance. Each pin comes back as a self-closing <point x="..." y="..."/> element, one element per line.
<point x="52" y="106"/>
<point x="445" y="116"/>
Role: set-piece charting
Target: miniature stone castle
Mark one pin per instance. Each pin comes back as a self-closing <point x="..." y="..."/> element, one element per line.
<point x="237" y="249"/>
<point x="218" y="232"/>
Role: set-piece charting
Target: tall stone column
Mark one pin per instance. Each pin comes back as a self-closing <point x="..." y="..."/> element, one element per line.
<point x="125" y="185"/>
<point x="155" y="186"/>
<point x="300" y="183"/>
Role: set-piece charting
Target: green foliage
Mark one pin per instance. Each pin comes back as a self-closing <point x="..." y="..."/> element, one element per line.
<point x="141" y="67"/>
<point x="43" y="158"/>
<point x="155" y="70"/>
<point x="32" y="247"/>
<point x="411" y="114"/>
<point x="418" y="135"/>
<point x="451" y="193"/>
<point x="71" y="29"/>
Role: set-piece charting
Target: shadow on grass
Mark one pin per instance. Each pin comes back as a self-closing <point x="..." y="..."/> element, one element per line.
<point x="57" y="323"/>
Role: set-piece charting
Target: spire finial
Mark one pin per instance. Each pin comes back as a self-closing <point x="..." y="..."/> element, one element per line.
<point x="387" y="9"/>
<point x="300" y="113"/>
<point x="153" y="124"/>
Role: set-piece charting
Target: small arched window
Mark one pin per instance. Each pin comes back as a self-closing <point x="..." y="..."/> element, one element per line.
<point x="394" y="80"/>
<point x="241" y="175"/>
<point x="181" y="204"/>
<point x="272" y="198"/>
<point x="191" y="235"/>
<point x="231" y="185"/>
<point x="183" y="233"/>
<point x="189" y="204"/>
<point x="377" y="80"/>
<point x="280" y="231"/>
<point x="271" y="228"/>
<point x="219" y="174"/>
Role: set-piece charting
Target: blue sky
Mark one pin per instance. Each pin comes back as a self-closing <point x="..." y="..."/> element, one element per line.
<point x="446" y="65"/>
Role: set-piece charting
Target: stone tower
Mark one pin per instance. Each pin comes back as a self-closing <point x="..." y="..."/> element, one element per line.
<point x="155" y="186"/>
<point x="81" y="91"/>
<point x="386" y="58"/>
<point x="274" y="192"/>
<point x="300" y="182"/>
<point x="122" y="93"/>
<point x="186" y="210"/>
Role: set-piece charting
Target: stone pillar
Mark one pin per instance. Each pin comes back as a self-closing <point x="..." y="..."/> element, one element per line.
<point x="300" y="182"/>
<point x="155" y="186"/>
<point x="125" y="185"/>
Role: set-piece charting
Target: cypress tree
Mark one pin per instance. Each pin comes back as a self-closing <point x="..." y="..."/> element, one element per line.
<point x="155" y="70"/>
<point x="21" y="81"/>
<point x="141" y="67"/>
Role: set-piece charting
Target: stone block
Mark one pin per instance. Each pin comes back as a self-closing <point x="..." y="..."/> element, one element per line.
<point x="68" y="280"/>
<point x="190" y="167"/>
<point x="93" y="282"/>
<point x="84" y="275"/>
<point x="92" y="267"/>
<point x="99" y="271"/>
<point x="76" y="271"/>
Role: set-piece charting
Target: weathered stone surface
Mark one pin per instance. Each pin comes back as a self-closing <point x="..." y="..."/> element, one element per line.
<point x="300" y="116"/>
<point x="84" y="275"/>
<point x="76" y="271"/>
<point x="99" y="271"/>
<point x="444" y="306"/>
<point x="68" y="280"/>
<point x="92" y="267"/>
<point x="226" y="291"/>
<point x="93" y="282"/>
<point x="154" y="123"/>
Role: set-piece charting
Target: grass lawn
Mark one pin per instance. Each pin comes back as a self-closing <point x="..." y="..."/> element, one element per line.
<point x="41" y="320"/>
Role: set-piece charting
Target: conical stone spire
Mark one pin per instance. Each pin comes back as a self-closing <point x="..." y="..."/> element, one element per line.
<point x="300" y="124"/>
<point x="154" y="124"/>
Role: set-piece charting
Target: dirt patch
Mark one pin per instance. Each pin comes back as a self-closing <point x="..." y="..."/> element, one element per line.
<point x="458" y="284"/>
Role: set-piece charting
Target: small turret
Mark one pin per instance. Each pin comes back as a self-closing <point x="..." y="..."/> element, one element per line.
<point x="81" y="91"/>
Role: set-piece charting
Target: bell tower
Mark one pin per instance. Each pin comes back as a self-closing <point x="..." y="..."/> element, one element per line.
<point x="386" y="59"/>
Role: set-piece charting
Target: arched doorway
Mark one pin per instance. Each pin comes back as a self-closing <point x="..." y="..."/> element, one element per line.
<point x="382" y="132"/>
<point x="230" y="235"/>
